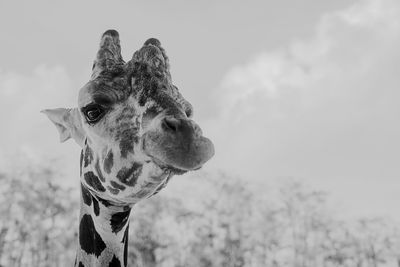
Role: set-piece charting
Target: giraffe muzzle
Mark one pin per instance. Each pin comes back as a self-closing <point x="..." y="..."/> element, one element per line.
<point x="179" y="143"/>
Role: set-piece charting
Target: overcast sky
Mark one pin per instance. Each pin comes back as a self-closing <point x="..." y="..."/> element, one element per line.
<point x="304" y="89"/>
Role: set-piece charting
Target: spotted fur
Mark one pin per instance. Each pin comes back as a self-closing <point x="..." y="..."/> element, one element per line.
<point x="109" y="162"/>
<point x="143" y="137"/>
<point x="129" y="176"/>
<point x="93" y="181"/>
<point x="118" y="220"/>
<point x="89" y="239"/>
<point x="114" y="262"/>
<point x="86" y="196"/>
<point x="96" y="207"/>
<point x="103" y="201"/>
<point x="99" y="172"/>
<point x="88" y="156"/>
<point x="113" y="190"/>
<point x="117" y="185"/>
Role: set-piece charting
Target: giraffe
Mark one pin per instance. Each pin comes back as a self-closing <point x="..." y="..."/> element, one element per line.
<point x="136" y="131"/>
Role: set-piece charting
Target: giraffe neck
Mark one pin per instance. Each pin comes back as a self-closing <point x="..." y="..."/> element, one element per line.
<point x="103" y="232"/>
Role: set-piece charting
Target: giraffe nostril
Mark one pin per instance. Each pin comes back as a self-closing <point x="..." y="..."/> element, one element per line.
<point x="197" y="130"/>
<point x="170" y="124"/>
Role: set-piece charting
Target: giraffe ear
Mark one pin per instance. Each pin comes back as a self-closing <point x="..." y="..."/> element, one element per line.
<point x="68" y="123"/>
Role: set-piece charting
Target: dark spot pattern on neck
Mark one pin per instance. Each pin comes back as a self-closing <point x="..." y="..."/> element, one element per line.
<point x="118" y="220"/>
<point x="112" y="190"/>
<point x="96" y="207"/>
<point x="86" y="196"/>
<point x="114" y="262"/>
<point x="93" y="181"/>
<point x="117" y="185"/>
<point x="106" y="203"/>
<point x="129" y="176"/>
<point x="89" y="239"/>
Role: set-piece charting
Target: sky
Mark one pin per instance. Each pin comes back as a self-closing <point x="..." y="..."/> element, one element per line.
<point x="303" y="89"/>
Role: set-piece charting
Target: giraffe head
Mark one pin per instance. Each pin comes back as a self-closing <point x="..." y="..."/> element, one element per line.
<point x="134" y="126"/>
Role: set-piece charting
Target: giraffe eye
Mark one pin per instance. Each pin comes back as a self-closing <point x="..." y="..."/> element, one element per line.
<point x="93" y="113"/>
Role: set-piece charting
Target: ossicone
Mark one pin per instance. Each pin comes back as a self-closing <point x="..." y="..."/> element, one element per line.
<point x="108" y="60"/>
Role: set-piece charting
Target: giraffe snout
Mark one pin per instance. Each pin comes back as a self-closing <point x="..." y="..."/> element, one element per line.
<point x="178" y="142"/>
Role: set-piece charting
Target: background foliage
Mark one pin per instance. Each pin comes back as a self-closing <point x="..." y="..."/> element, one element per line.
<point x="207" y="220"/>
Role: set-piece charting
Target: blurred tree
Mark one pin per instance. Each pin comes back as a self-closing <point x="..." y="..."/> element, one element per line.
<point x="37" y="219"/>
<point x="209" y="220"/>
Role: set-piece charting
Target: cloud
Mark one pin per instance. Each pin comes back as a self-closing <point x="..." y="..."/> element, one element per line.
<point x="346" y="45"/>
<point x="25" y="131"/>
<point x="326" y="107"/>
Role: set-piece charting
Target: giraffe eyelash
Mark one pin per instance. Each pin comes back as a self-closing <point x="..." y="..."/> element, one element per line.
<point x="93" y="113"/>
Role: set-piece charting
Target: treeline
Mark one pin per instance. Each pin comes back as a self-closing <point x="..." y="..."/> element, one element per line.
<point x="204" y="220"/>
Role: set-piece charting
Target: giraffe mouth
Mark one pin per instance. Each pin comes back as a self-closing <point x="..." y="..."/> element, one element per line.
<point x="160" y="163"/>
<point x="166" y="167"/>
